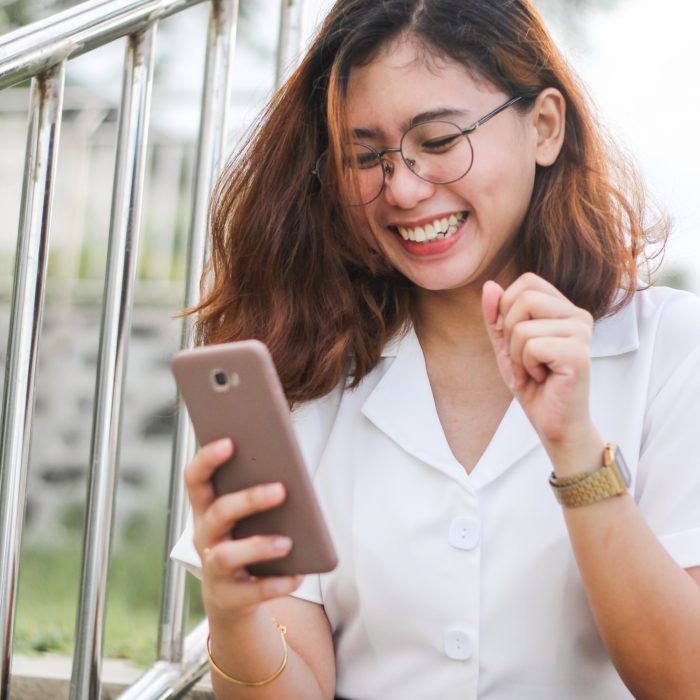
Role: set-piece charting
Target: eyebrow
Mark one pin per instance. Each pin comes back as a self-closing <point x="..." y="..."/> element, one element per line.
<point x="438" y="113"/>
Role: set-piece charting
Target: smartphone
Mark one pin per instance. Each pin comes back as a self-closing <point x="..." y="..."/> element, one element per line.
<point x="232" y="390"/>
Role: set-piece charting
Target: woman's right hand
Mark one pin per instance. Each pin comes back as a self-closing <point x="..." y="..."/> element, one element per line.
<point x="227" y="588"/>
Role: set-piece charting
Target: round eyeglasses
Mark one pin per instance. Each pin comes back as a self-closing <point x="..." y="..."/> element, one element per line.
<point x="436" y="151"/>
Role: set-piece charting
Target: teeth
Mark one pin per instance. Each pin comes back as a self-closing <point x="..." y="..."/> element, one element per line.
<point x="438" y="229"/>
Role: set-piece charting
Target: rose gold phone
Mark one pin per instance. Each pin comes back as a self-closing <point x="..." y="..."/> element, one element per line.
<point x="232" y="390"/>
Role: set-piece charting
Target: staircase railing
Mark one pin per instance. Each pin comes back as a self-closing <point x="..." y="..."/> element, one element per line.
<point x="40" y="52"/>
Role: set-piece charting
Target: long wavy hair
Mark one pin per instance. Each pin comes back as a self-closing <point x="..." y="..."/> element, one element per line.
<point x="293" y="267"/>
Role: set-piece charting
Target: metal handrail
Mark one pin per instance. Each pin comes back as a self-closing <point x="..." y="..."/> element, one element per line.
<point x="40" y="51"/>
<point x="73" y="32"/>
<point x="111" y="367"/>
<point x="23" y="341"/>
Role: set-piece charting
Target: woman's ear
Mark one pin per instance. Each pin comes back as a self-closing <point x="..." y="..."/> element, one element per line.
<point x="548" y="117"/>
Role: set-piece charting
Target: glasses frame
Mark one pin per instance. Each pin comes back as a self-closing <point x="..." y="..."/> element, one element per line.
<point x="388" y="166"/>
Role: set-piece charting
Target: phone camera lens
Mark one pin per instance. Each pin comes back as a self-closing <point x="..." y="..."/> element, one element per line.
<point x="220" y="378"/>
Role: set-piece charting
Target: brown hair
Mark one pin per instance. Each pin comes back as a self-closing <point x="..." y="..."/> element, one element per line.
<point x="294" y="268"/>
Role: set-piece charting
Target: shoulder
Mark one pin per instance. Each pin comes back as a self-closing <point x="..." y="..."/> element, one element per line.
<point x="668" y="322"/>
<point x="314" y="420"/>
<point x="657" y="337"/>
<point x="669" y="306"/>
<point x="659" y="320"/>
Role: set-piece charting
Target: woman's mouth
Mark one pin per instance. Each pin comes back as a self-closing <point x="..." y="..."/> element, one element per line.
<point x="436" y="230"/>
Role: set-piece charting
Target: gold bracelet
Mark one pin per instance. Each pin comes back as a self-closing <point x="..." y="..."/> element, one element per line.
<point x="252" y="684"/>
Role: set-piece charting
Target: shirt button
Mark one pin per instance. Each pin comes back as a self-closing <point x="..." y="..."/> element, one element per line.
<point x="458" y="644"/>
<point x="464" y="533"/>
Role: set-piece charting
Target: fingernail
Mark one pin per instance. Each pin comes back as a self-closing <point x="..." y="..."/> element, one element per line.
<point x="222" y="447"/>
<point x="282" y="544"/>
<point x="274" y="490"/>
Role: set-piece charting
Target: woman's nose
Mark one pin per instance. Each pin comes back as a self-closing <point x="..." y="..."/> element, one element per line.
<point x="402" y="187"/>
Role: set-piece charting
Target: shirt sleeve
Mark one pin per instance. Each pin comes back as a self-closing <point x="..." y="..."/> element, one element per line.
<point x="668" y="482"/>
<point x="310" y="589"/>
<point x="184" y="552"/>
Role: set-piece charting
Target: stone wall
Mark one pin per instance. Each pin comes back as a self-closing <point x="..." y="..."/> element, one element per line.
<point x="62" y="425"/>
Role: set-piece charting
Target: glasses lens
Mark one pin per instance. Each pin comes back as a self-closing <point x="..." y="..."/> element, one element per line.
<point x="362" y="174"/>
<point x="437" y="151"/>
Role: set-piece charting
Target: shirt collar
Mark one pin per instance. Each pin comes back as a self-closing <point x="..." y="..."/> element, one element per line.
<point x="402" y="404"/>
<point x="618" y="333"/>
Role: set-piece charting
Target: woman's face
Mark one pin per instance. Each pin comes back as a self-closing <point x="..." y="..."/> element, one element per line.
<point x="485" y="208"/>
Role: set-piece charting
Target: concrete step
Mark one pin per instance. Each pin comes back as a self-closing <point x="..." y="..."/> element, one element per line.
<point x="48" y="676"/>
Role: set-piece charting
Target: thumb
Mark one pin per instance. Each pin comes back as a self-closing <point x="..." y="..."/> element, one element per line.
<point x="491" y="295"/>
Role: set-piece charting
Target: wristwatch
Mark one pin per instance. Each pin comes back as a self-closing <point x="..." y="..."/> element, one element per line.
<point x="612" y="479"/>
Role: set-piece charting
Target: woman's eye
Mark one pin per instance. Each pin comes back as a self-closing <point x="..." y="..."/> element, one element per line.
<point x="438" y="145"/>
<point x="362" y="160"/>
<point x="368" y="161"/>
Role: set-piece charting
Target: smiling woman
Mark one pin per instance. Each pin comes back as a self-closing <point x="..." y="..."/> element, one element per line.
<point x="441" y="251"/>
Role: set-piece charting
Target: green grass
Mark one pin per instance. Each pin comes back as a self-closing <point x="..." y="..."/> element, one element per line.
<point x="49" y="586"/>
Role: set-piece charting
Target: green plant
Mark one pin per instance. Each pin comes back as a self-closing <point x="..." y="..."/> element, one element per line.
<point x="49" y="587"/>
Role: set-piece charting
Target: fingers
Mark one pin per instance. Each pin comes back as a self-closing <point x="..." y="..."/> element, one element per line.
<point x="199" y="471"/>
<point x="491" y="295"/>
<point x="226" y="583"/>
<point x="535" y="348"/>
<point x="525" y="320"/>
<point x="242" y="594"/>
<point x="528" y="282"/>
<point x="562" y="355"/>
<point x="229" y="587"/>
<point x="227" y="558"/>
<point x="218" y="520"/>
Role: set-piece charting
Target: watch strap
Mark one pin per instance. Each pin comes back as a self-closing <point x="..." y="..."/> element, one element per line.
<point x="585" y="488"/>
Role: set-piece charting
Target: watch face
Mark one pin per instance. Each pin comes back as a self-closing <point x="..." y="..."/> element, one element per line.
<point x="622" y="466"/>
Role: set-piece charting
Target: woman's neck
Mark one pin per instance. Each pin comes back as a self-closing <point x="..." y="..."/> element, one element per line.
<point x="451" y="320"/>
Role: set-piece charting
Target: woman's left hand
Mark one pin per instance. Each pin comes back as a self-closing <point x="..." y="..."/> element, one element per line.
<point x="543" y="347"/>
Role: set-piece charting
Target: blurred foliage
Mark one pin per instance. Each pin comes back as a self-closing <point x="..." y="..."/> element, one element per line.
<point x="673" y="275"/>
<point x="49" y="584"/>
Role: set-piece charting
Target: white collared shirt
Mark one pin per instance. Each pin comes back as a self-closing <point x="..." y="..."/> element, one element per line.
<point x="456" y="586"/>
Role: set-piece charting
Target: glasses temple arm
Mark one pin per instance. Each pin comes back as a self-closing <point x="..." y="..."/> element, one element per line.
<point x="491" y="114"/>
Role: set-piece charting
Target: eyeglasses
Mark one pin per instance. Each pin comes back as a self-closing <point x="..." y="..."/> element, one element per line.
<point x="436" y="151"/>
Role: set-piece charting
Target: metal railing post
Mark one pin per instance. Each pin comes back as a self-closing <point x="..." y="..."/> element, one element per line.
<point x="23" y="343"/>
<point x="210" y="153"/>
<point x="118" y="299"/>
<point x="165" y="680"/>
<point x="40" y="51"/>
<point x="292" y="36"/>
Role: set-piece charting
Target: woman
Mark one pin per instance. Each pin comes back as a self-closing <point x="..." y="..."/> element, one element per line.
<point x="438" y="246"/>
